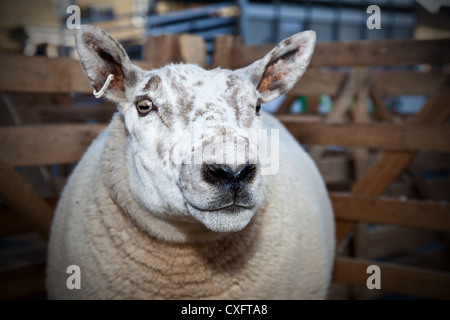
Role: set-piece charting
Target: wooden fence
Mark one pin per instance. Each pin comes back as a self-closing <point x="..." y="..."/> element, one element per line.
<point x="378" y="146"/>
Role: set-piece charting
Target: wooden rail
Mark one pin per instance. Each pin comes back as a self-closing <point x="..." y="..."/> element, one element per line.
<point x="50" y="144"/>
<point x="417" y="282"/>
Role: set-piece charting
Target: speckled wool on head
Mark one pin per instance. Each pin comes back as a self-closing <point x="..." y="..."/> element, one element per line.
<point x="142" y="225"/>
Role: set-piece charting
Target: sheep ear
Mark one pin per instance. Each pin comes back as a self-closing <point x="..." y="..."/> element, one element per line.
<point x="283" y="66"/>
<point x="100" y="56"/>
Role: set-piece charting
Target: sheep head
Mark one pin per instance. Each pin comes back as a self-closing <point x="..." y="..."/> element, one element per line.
<point x="192" y="134"/>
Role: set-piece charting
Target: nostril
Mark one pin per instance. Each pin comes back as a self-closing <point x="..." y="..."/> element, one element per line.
<point x="246" y="172"/>
<point x="215" y="173"/>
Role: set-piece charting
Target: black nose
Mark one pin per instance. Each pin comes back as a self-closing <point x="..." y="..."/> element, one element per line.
<point x="217" y="173"/>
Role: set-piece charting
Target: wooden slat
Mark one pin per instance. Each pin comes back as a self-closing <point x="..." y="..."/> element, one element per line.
<point x="393" y="52"/>
<point x="334" y="169"/>
<point x="10" y="223"/>
<point x="382" y="136"/>
<point x="395" y="278"/>
<point x="408" y="82"/>
<point x="24" y="282"/>
<point x="389" y="241"/>
<point x="419" y="214"/>
<point x="71" y="114"/>
<point x="46" y="144"/>
<point x="392" y="163"/>
<point x="24" y="200"/>
<point x="192" y="49"/>
<point x="50" y="144"/>
<point x="44" y="75"/>
<point x="316" y="81"/>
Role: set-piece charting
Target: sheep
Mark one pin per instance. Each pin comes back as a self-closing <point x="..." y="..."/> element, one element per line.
<point x="142" y="224"/>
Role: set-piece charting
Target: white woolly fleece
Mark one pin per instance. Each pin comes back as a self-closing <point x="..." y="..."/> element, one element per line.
<point x="285" y="252"/>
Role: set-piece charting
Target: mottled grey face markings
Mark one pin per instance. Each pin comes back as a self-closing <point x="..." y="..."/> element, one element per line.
<point x="185" y="101"/>
<point x="153" y="83"/>
<point x="232" y="99"/>
<point x="166" y="115"/>
<point x="198" y="113"/>
<point x="287" y="42"/>
<point x="160" y="150"/>
<point x="199" y="83"/>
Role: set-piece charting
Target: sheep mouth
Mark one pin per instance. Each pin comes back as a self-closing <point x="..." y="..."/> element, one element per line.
<point x="229" y="218"/>
<point x="232" y="208"/>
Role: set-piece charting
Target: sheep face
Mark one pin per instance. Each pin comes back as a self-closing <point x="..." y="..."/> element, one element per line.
<point x="193" y="134"/>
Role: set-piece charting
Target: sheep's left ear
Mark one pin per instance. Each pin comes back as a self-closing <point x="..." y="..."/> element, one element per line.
<point x="283" y="66"/>
<point x="100" y="56"/>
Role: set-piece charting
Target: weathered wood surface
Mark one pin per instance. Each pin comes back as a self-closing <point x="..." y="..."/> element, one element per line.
<point x="395" y="278"/>
<point x="409" y="213"/>
<point x="25" y="202"/>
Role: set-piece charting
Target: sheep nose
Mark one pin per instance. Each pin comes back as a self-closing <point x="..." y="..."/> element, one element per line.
<point x="216" y="173"/>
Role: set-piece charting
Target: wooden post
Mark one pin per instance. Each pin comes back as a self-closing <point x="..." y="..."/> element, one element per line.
<point x="392" y="163"/>
<point x="192" y="49"/>
<point x="223" y="48"/>
<point x="24" y="200"/>
<point x="337" y="113"/>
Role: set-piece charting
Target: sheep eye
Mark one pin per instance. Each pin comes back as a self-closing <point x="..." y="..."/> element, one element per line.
<point x="144" y="107"/>
<point x="258" y="108"/>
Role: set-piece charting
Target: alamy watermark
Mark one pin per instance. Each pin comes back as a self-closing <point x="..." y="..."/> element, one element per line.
<point x="374" y="280"/>
<point x="231" y="147"/>
<point x="74" y="280"/>
<point x="74" y="20"/>
<point x="374" y="20"/>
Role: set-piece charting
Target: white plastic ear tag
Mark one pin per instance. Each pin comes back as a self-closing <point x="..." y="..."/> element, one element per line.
<point x="105" y="87"/>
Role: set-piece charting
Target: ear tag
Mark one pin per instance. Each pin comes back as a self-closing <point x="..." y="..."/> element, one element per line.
<point x="105" y="87"/>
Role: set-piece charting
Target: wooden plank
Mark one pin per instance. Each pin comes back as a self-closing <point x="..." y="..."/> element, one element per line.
<point x="410" y="213"/>
<point x="316" y="82"/>
<point x="334" y="169"/>
<point x="342" y="102"/>
<point x="223" y="47"/>
<point x="376" y="135"/>
<point x="381" y="113"/>
<point x="24" y="200"/>
<point x="55" y="114"/>
<point x="392" y="163"/>
<point x="360" y="114"/>
<point x="408" y="82"/>
<point x="339" y="109"/>
<point x="394" y="52"/>
<point x="50" y="144"/>
<point x="24" y="282"/>
<point x="389" y="241"/>
<point x="395" y="278"/>
<point x="46" y="144"/>
<point x="44" y="75"/>
<point x="10" y="223"/>
<point x="192" y="49"/>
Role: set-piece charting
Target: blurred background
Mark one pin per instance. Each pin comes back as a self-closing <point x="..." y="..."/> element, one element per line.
<point x="27" y="24"/>
<point x="42" y="86"/>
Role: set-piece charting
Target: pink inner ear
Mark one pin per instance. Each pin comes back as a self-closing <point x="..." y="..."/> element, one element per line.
<point x="279" y="68"/>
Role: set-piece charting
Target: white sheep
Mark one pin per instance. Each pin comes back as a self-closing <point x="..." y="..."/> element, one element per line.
<point x="142" y="222"/>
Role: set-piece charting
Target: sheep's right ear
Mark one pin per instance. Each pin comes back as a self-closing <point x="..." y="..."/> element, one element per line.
<point x="279" y="70"/>
<point x="100" y="56"/>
